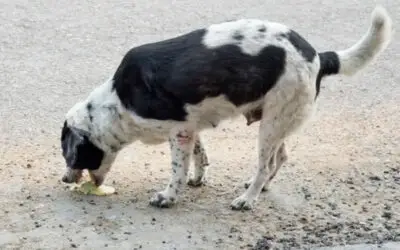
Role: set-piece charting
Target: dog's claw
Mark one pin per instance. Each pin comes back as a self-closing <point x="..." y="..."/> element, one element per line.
<point x="241" y="203"/>
<point x="162" y="201"/>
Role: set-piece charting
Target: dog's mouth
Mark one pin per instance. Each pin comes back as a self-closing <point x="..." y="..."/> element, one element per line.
<point x="75" y="176"/>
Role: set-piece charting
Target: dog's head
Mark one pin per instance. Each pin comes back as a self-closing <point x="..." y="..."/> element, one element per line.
<point x="80" y="153"/>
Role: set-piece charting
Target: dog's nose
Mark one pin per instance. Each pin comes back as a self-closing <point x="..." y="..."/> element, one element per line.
<point x="66" y="179"/>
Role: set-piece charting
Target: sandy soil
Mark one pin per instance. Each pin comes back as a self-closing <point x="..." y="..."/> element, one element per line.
<point x="340" y="185"/>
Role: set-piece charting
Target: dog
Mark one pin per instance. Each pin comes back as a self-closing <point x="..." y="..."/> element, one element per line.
<point x="174" y="89"/>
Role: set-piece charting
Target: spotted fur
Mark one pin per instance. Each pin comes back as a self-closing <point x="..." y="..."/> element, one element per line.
<point x="173" y="89"/>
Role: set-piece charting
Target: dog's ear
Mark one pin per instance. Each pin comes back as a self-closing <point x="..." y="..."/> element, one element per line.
<point x="79" y="152"/>
<point x="71" y="139"/>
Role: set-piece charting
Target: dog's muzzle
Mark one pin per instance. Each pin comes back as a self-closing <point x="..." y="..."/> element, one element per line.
<point x="72" y="175"/>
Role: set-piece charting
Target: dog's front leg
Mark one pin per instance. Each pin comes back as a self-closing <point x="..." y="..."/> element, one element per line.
<point x="181" y="144"/>
<point x="200" y="164"/>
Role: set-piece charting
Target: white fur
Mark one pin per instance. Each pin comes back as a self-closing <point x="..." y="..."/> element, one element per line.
<point x="253" y="40"/>
<point x="370" y="45"/>
<point x="286" y="107"/>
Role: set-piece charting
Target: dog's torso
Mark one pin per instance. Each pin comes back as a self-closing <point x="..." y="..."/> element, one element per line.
<point x="213" y="74"/>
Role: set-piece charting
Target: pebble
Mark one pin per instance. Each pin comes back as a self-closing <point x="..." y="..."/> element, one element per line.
<point x="375" y="178"/>
<point x="387" y="215"/>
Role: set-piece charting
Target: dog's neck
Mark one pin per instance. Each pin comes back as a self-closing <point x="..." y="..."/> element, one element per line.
<point x="102" y="116"/>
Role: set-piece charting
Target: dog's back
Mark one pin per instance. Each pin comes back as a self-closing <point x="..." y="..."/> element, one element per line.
<point x="227" y="67"/>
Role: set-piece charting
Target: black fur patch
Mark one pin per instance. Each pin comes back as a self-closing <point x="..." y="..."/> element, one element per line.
<point x="329" y="64"/>
<point x="89" y="107"/>
<point x="237" y="36"/>
<point x="156" y="80"/>
<point x="78" y="151"/>
<point x="301" y="45"/>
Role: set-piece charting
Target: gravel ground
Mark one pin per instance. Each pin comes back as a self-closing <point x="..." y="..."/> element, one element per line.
<point x="340" y="186"/>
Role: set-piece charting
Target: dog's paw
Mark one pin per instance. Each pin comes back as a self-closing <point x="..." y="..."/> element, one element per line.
<point x="162" y="200"/>
<point x="242" y="203"/>
<point x="248" y="183"/>
<point x="197" y="182"/>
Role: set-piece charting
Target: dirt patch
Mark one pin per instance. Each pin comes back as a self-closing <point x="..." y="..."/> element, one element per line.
<point x="345" y="194"/>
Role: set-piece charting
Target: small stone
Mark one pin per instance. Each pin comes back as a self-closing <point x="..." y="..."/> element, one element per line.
<point x="265" y="243"/>
<point x="387" y="215"/>
<point x="307" y="194"/>
<point x="303" y="220"/>
<point x="73" y="245"/>
<point x="349" y="181"/>
<point x="375" y="178"/>
<point x="332" y="205"/>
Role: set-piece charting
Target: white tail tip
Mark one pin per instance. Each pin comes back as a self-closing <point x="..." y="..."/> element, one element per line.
<point x="370" y="45"/>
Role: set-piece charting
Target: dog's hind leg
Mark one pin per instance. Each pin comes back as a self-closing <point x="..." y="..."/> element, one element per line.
<point x="200" y="164"/>
<point x="285" y="110"/>
<point x="275" y="163"/>
<point x="280" y="158"/>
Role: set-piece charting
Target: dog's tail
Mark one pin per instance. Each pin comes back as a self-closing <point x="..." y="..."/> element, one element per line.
<point x="355" y="58"/>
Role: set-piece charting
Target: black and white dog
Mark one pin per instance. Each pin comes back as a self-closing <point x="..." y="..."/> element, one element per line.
<point x="173" y="89"/>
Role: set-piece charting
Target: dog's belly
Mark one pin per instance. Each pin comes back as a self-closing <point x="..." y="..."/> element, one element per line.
<point x="154" y="137"/>
<point x="207" y="114"/>
<point x="212" y="111"/>
<point x="153" y="140"/>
